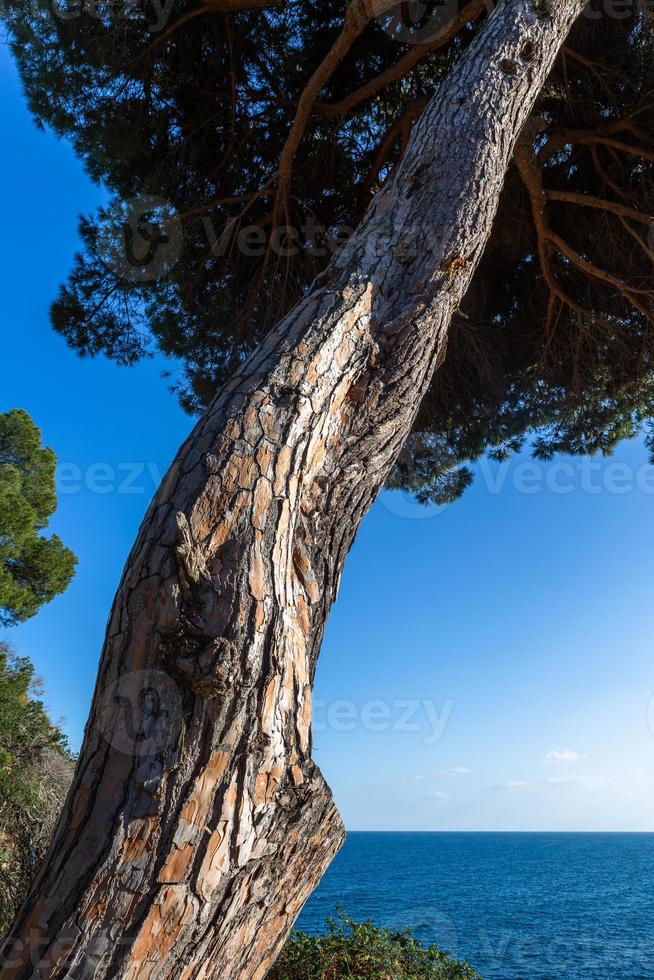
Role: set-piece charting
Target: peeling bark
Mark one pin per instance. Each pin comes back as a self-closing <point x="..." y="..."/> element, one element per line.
<point x="198" y="824"/>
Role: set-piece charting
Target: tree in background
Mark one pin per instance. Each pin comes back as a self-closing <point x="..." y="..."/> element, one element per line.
<point x="33" y="568"/>
<point x="35" y="765"/>
<point x="35" y="772"/>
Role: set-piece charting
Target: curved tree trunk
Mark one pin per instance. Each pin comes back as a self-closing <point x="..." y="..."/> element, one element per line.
<point x="198" y="824"/>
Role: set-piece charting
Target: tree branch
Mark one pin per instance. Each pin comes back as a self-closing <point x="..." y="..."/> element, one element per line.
<point x="585" y="137"/>
<point x="531" y="177"/>
<point x="358" y="15"/>
<point x="593" y="271"/>
<point x="636" y="237"/>
<point x="400" y="127"/>
<point x="470" y="12"/>
<point x="586" y="200"/>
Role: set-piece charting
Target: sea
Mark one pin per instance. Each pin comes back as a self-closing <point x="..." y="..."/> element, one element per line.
<point x="516" y="906"/>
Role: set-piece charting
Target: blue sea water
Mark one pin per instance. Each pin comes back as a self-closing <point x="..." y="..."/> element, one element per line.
<point x="522" y="906"/>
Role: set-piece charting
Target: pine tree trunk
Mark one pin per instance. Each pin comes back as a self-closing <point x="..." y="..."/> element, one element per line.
<point x="198" y="824"/>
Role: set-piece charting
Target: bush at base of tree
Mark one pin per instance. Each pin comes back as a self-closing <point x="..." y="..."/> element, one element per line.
<point x="357" y="949"/>
<point x="35" y="772"/>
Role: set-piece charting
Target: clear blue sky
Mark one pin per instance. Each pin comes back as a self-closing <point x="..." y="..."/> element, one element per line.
<point x="488" y="666"/>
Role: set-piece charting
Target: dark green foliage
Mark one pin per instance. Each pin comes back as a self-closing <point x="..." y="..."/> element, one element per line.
<point x="197" y="113"/>
<point x="351" y="949"/>
<point x="35" y="771"/>
<point x="33" y="568"/>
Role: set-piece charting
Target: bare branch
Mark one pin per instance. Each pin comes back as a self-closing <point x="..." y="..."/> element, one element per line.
<point x="586" y="200"/>
<point x="636" y="237"/>
<point x="531" y="177"/>
<point x="587" y="267"/>
<point x="606" y="179"/>
<point x="585" y="137"/>
<point x="598" y="71"/>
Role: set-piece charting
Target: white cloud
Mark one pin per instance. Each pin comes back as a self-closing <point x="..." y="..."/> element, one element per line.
<point x="437" y="796"/>
<point x="561" y="755"/>
<point x="454" y="771"/>
<point x="584" y="782"/>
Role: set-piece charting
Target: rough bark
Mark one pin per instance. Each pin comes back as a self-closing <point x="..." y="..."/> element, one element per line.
<point x="188" y="845"/>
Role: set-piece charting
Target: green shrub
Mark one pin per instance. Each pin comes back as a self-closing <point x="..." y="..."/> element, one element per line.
<point x="35" y="773"/>
<point x="34" y="568"/>
<point x="357" y="949"/>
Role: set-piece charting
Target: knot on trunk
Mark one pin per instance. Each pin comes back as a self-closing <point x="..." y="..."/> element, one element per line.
<point x="191" y="563"/>
<point x="208" y="669"/>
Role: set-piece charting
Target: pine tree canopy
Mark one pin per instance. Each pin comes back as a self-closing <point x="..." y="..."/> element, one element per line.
<point x="33" y="568"/>
<point x="239" y="140"/>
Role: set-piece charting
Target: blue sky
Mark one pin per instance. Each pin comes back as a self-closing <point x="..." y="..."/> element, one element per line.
<point x="487" y="666"/>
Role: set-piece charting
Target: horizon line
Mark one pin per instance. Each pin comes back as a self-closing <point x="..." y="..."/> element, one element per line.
<point x="499" y="831"/>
